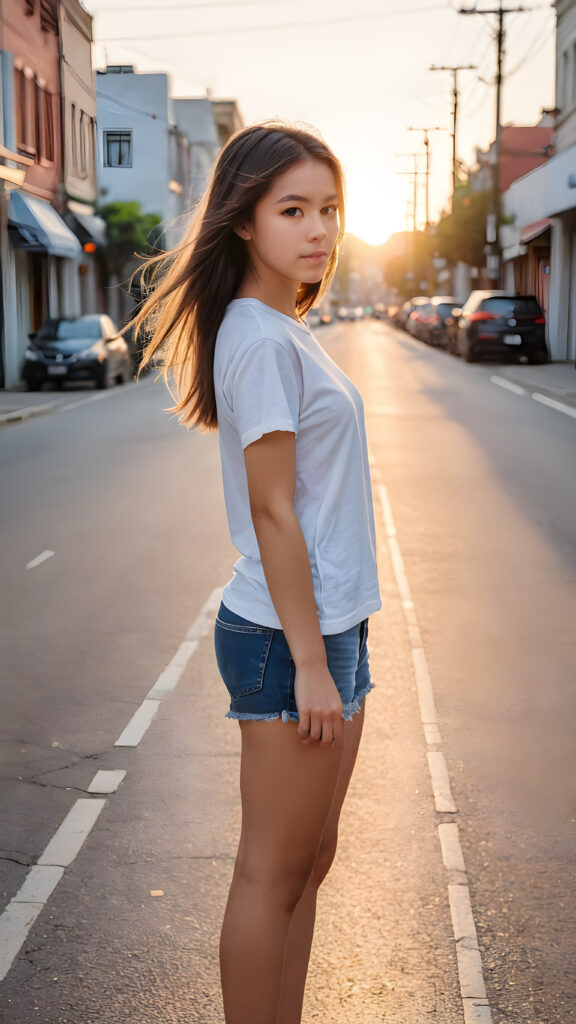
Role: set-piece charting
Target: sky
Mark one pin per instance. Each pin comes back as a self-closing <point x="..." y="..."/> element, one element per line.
<point x="358" y="72"/>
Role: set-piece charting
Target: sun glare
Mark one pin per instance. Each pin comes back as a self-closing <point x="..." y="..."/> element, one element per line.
<point x="375" y="207"/>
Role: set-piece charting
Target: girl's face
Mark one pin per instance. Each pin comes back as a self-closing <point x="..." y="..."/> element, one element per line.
<point x="295" y="225"/>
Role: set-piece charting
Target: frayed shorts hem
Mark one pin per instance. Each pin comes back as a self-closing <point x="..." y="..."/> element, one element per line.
<point x="348" y="711"/>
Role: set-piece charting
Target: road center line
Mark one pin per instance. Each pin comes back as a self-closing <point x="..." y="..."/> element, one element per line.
<point x="20" y="914"/>
<point x="170" y="676"/>
<point x="509" y="385"/>
<point x="39" y="559"/>
<point x="559" y="406"/>
<point x="40" y="882"/>
<point x="468" y="957"/>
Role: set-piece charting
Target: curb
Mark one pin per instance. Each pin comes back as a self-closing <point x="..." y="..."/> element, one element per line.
<point x="19" y="415"/>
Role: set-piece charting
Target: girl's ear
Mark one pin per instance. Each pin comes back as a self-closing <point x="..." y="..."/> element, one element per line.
<point x="242" y="231"/>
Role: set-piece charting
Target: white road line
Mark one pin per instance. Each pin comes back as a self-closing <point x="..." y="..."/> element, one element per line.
<point x="40" y="882"/>
<point x="39" y="559"/>
<point x="78" y="823"/>
<point x="469" y="960"/>
<point x="553" y="404"/>
<point x="443" y="799"/>
<point x="451" y="849"/>
<point x="106" y="782"/>
<point x="15" y="923"/>
<point x="509" y="385"/>
<point x="139" y="724"/>
<point x="424" y="687"/>
<point x="171" y="675"/>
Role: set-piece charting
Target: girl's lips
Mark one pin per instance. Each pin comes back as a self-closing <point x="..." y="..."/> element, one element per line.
<point x="315" y="256"/>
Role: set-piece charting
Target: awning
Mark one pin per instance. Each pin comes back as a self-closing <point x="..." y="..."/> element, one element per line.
<point x="40" y="227"/>
<point x="532" y="231"/>
<point x="88" y="227"/>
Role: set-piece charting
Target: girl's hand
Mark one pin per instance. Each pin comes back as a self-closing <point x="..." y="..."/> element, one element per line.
<point x="319" y="707"/>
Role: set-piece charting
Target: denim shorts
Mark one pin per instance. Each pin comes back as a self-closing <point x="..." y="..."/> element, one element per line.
<point x="258" y="671"/>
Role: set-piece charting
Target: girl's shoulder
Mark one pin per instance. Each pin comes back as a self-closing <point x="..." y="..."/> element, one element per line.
<point x="247" y="323"/>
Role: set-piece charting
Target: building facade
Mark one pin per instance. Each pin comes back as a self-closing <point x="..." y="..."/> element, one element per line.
<point x="79" y="185"/>
<point x="539" y="245"/>
<point x="48" y="267"/>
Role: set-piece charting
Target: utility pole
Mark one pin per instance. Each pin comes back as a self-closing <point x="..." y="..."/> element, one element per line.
<point x="427" y="172"/>
<point x="454" y="70"/>
<point x="494" y="260"/>
<point x="413" y="174"/>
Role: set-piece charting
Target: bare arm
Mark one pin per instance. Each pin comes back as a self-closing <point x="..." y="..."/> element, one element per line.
<point x="271" y="472"/>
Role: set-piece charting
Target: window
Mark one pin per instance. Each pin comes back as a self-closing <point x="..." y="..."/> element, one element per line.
<point x="48" y="126"/>
<point x="118" y="149"/>
<point x="83" y="120"/>
<point x="26" y="117"/>
<point x="74" y="138"/>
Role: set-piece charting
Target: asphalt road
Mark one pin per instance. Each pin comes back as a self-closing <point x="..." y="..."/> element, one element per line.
<point x="481" y="487"/>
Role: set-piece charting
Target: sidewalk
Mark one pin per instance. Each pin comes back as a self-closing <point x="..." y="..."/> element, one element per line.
<point x="18" y="405"/>
<point x="556" y="380"/>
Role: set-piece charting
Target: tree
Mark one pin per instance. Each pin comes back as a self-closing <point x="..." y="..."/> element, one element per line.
<point x="130" y="233"/>
<point x="461" y="234"/>
<point x="404" y="271"/>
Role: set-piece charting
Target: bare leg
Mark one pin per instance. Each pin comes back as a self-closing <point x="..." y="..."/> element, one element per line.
<point x="287" y="791"/>
<point x="301" y="929"/>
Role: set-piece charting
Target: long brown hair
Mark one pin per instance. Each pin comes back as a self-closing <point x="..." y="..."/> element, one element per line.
<point x="189" y="287"/>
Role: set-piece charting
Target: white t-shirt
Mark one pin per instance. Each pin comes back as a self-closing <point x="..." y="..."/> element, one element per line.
<point x="270" y="374"/>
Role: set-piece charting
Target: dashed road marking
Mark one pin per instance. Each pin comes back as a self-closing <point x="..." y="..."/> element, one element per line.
<point x="468" y="958"/>
<point x="509" y="385"/>
<point x="139" y="724"/>
<point x="170" y="676"/>
<point x="40" y="882"/>
<point x="39" y="559"/>
<point x="106" y="782"/>
<point x="67" y="840"/>
<point x="553" y="404"/>
<point x="23" y="909"/>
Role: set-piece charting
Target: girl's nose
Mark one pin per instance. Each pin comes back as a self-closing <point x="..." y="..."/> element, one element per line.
<point x="318" y="229"/>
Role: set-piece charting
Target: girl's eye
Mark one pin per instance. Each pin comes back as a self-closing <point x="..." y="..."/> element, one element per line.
<point x="296" y="209"/>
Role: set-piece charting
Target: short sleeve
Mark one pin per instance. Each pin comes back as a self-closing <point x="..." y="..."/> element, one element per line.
<point x="265" y="391"/>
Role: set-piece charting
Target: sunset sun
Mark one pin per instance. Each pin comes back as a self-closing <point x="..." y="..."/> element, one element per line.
<point x="375" y="208"/>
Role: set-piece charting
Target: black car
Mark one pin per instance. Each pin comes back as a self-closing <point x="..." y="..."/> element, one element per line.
<point x="493" y="323"/>
<point x="435" y="320"/>
<point x="73" y="349"/>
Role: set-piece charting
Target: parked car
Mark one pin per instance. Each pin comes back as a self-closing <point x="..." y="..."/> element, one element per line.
<point x="420" y="304"/>
<point x="80" y="348"/>
<point x="495" y="323"/>
<point x="435" y="319"/>
<point x="408" y="307"/>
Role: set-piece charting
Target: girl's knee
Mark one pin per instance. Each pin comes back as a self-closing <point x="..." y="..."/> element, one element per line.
<point x="324" y="857"/>
<point x="281" y="885"/>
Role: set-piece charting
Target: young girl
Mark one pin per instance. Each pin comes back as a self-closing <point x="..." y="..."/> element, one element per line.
<point x="291" y="633"/>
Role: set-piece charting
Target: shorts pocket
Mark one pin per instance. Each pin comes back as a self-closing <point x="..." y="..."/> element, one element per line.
<point x="242" y="654"/>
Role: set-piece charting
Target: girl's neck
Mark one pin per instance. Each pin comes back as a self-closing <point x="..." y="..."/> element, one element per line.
<point x="283" y="299"/>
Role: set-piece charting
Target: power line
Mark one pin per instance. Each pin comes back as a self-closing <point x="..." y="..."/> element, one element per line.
<point x="189" y="6"/>
<point x="344" y="19"/>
